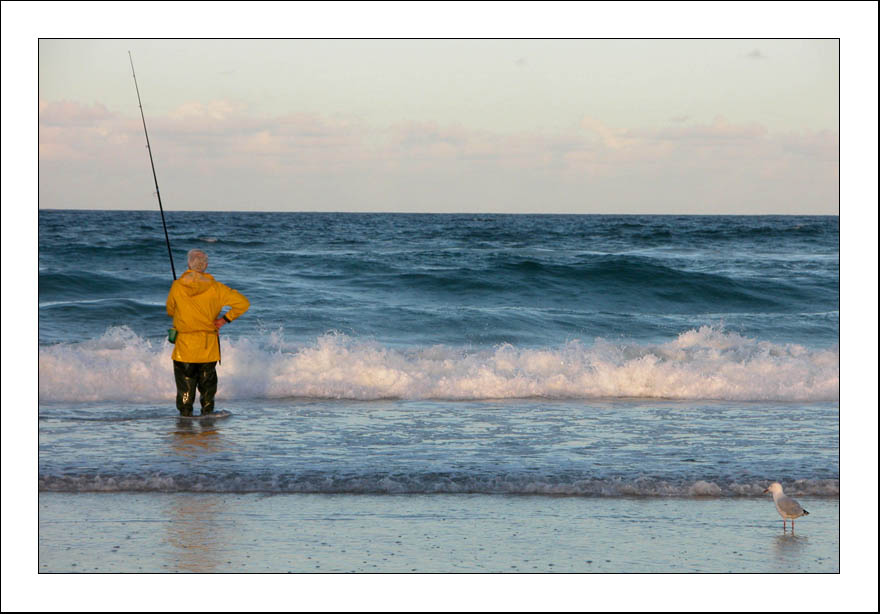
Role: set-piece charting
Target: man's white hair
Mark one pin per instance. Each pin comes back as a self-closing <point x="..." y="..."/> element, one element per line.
<point x="197" y="260"/>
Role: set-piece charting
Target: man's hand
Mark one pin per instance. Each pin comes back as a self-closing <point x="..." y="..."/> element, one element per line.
<point x="219" y="322"/>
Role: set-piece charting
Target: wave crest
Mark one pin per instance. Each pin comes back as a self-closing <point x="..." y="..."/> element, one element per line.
<point x="707" y="363"/>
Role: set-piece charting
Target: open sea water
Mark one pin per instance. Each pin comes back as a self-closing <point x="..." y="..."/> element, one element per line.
<point x="666" y="358"/>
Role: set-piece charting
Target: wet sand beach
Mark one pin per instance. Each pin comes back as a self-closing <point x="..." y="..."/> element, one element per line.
<point x="303" y="533"/>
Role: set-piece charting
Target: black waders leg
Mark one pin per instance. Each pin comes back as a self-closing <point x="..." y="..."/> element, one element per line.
<point x="185" y="374"/>
<point x="207" y="386"/>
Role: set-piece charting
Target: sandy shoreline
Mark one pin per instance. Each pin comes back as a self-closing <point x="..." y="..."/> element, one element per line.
<point x="218" y="533"/>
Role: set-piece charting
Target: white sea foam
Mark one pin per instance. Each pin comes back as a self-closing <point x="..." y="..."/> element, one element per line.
<point x="707" y="363"/>
<point x="424" y="484"/>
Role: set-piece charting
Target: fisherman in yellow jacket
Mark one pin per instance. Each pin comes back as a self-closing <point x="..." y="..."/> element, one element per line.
<point x="195" y="302"/>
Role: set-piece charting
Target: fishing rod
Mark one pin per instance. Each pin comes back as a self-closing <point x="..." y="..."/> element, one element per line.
<point x="153" y="166"/>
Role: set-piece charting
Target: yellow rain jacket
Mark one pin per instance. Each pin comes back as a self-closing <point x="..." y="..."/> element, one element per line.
<point x="195" y="301"/>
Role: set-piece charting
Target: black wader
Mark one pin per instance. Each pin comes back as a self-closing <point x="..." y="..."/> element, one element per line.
<point x="191" y="375"/>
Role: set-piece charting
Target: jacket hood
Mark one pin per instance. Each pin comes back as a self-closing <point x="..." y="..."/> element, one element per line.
<point x="195" y="283"/>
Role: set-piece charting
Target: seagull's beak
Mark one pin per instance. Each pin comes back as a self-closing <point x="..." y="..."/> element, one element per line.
<point x="766" y="490"/>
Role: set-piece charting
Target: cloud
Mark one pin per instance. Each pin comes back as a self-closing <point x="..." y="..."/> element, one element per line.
<point x="610" y="138"/>
<point x="719" y="131"/>
<point x="219" y="155"/>
<point x="72" y="131"/>
<point x="755" y="54"/>
<point x="214" y="110"/>
<point x="65" y="113"/>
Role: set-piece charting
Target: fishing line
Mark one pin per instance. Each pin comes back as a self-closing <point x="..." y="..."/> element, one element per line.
<point x="152" y="166"/>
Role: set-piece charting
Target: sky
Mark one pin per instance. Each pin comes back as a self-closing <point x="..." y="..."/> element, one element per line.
<point x="702" y="126"/>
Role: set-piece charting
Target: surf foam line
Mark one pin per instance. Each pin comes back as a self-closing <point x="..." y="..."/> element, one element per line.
<point x="426" y="484"/>
<point x="707" y="363"/>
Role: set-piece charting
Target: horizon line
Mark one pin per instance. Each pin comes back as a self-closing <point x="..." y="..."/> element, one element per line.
<point x="371" y="212"/>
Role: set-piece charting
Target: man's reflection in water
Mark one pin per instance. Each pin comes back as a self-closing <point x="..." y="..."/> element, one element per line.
<point x="193" y="439"/>
<point x="193" y="531"/>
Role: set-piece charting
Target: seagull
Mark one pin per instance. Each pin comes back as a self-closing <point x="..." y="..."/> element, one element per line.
<point x="787" y="507"/>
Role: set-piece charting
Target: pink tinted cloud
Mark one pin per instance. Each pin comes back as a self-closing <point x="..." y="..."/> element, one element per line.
<point x="64" y="113"/>
<point x="720" y="130"/>
<point x="221" y="131"/>
<point x="202" y="147"/>
<point x="422" y="144"/>
<point x="73" y="132"/>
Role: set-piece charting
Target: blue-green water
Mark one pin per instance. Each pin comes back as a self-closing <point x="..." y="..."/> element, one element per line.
<point x="608" y="356"/>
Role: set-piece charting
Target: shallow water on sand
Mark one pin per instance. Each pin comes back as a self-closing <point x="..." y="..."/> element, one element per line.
<point x="530" y="446"/>
<point x="304" y="533"/>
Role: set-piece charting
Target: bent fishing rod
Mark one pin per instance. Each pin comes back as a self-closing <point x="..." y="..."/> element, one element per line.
<point x="152" y="166"/>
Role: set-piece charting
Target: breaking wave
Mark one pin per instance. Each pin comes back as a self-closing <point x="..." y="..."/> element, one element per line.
<point x="707" y="363"/>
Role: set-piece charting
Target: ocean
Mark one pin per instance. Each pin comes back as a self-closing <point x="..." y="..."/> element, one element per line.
<point x="398" y="375"/>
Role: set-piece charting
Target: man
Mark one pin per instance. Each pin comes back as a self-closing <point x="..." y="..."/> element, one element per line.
<point x="195" y="302"/>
